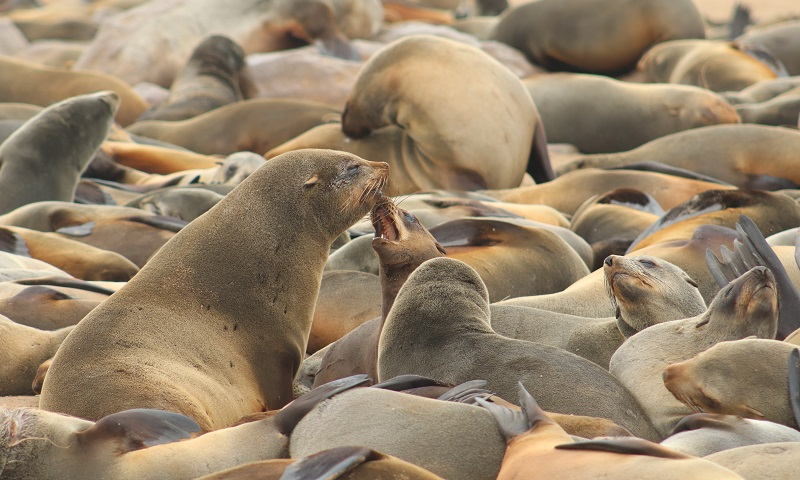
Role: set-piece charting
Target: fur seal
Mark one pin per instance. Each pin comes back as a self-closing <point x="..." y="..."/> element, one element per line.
<point x="393" y="423"/>
<point x="70" y="130"/>
<point x="611" y="37"/>
<point x="747" y="377"/>
<point x="256" y="125"/>
<point x="46" y="307"/>
<point x="762" y="91"/>
<point x="443" y="308"/>
<point x="780" y="40"/>
<point x="748" y="156"/>
<point x="28" y="83"/>
<point x="144" y="443"/>
<point x="769" y="461"/>
<point x="702" y="434"/>
<point x="747" y="306"/>
<point x="568" y="192"/>
<point x="598" y="114"/>
<point x="215" y="75"/>
<point x="535" y="439"/>
<point x="249" y="372"/>
<point x="78" y="259"/>
<point x="130" y="45"/>
<point x="156" y="159"/>
<point x="644" y="290"/>
<point x="719" y="66"/>
<point x="23" y="350"/>
<point x="430" y="147"/>
<point x="781" y="111"/>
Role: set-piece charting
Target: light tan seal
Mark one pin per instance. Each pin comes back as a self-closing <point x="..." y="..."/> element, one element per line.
<point x="442" y="315"/>
<point x="539" y="449"/>
<point x="29" y="83"/>
<point x="598" y="114"/>
<point x="22" y="350"/>
<point x="769" y="461"/>
<point x="747" y="306"/>
<point x="748" y="378"/>
<point x="780" y="40"/>
<point x="43" y="159"/>
<point x="595" y="36"/>
<point x="414" y="106"/>
<point x="713" y="64"/>
<point x="748" y="156"/>
<point x="248" y="370"/>
<point x="256" y="125"/>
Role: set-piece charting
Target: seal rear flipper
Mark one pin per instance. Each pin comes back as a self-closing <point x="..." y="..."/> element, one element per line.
<point x="12" y="242"/>
<point x="140" y="428"/>
<point x="407" y="382"/>
<point x="625" y="445"/>
<point x="794" y="384"/>
<point x="329" y="464"/>
<point x="291" y="414"/>
<point x="539" y="166"/>
<point x="66" y="282"/>
<point x="467" y="392"/>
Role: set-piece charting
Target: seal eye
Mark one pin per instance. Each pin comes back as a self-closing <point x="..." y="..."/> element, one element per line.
<point x="647" y="263"/>
<point x="353" y="169"/>
<point x="409" y="217"/>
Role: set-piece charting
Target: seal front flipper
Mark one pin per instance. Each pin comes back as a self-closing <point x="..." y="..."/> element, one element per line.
<point x="626" y="445"/>
<point x="467" y="392"/>
<point x="539" y="166"/>
<point x="513" y="423"/>
<point x="290" y="415"/>
<point x="329" y="464"/>
<point x="140" y="428"/>
<point x="12" y="242"/>
<point x="407" y="382"/>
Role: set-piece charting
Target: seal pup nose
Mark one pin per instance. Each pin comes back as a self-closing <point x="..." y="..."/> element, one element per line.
<point x="609" y="261"/>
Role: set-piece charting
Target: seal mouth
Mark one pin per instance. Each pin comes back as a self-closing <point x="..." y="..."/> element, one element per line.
<point x="383" y="220"/>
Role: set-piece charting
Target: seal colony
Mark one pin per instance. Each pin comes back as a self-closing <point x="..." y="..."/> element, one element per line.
<point x="381" y="239"/>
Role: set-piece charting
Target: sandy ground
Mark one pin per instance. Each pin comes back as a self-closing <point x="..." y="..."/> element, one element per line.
<point x="719" y="10"/>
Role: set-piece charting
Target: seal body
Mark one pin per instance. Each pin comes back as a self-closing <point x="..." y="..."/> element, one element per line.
<point x="256" y="305"/>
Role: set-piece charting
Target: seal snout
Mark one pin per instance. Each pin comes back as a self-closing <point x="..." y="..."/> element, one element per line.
<point x="109" y="98"/>
<point x="384" y="221"/>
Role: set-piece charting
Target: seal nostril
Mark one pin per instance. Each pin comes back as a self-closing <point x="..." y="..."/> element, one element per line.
<point x="609" y="260"/>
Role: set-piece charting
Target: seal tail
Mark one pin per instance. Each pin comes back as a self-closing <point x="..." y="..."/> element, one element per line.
<point x="539" y="166"/>
<point x="291" y="414"/>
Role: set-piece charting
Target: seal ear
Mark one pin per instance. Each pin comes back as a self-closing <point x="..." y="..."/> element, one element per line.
<point x="312" y="180"/>
<point x="329" y="464"/>
<point x="13" y="243"/>
<point x="290" y="415"/>
<point x="140" y="428"/>
<point x="794" y="383"/>
<point x="691" y="282"/>
<point x="626" y="445"/>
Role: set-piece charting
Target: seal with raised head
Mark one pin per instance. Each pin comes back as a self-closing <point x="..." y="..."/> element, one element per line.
<point x="257" y="303"/>
<point x="413" y="106"/>
<point x="43" y="159"/>
<point x="595" y="35"/>
<point x="747" y="306"/>
<point x="215" y="75"/>
<point x="539" y="449"/>
<point x="442" y="312"/>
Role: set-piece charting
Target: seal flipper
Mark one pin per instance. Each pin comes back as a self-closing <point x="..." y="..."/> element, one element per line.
<point x="696" y="421"/>
<point x="66" y="282"/>
<point x="625" y="445"/>
<point x="407" y="382"/>
<point x="171" y="224"/>
<point x="657" y="167"/>
<point x="81" y="230"/>
<point x="329" y="464"/>
<point x="513" y="423"/>
<point x="539" y="166"/>
<point x="338" y="46"/>
<point x="467" y="392"/>
<point x="140" y="428"/>
<point x="794" y="383"/>
<point x="13" y="243"/>
<point x="290" y="415"/>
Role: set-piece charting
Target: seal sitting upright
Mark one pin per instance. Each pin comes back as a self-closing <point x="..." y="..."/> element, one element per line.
<point x="215" y="325"/>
